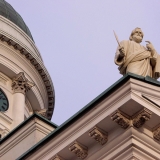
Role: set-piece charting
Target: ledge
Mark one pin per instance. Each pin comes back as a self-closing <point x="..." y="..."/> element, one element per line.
<point x="87" y="108"/>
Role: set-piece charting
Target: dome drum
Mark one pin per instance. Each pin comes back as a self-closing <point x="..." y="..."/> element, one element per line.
<point x="39" y="67"/>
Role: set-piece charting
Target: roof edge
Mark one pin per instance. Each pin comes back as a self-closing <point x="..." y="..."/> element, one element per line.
<point x="25" y="122"/>
<point x="87" y="108"/>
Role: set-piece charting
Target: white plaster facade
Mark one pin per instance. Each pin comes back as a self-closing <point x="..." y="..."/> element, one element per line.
<point x="24" y="137"/>
<point x="135" y="142"/>
<point x="18" y="54"/>
<point x="123" y="123"/>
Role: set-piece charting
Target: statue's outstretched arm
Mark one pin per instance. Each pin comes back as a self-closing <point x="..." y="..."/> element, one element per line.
<point x="120" y="55"/>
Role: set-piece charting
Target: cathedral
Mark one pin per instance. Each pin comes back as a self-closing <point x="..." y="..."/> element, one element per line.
<point x="122" y="123"/>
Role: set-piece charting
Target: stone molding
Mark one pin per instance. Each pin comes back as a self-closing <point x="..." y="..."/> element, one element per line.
<point x="38" y="66"/>
<point x="141" y="118"/>
<point x="78" y="149"/>
<point x="20" y="84"/>
<point x="156" y="134"/>
<point x="120" y="119"/>
<point x="99" y="135"/>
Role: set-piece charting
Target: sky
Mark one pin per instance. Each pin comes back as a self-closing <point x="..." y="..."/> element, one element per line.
<point x="77" y="44"/>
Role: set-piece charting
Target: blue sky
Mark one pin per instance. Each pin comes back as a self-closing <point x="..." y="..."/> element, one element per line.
<point x="76" y="41"/>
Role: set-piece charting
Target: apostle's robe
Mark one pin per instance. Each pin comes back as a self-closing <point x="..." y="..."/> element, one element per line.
<point x="137" y="60"/>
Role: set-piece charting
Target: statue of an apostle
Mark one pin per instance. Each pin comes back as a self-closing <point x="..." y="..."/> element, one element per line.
<point x="135" y="58"/>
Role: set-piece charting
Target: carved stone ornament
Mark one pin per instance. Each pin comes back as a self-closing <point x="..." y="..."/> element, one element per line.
<point x="156" y="134"/>
<point x="120" y="119"/>
<point x="20" y="84"/>
<point x="42" y="112"/>
<point x="57" y="157"/>
<point x="141" y="118"/>
<point x="78" y="149"/>
<point x="99" y="135"/>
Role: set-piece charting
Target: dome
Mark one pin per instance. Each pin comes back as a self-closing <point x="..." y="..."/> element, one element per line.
<point x="7" y="11"/>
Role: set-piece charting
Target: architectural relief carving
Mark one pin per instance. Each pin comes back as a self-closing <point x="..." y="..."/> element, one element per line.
<point x="99" y="135"/>
<point x="156" y="134"/>
<point x="141" y="118"/>
<point x="42" y="112"/>
<point x="20" y="84"/>
<point x="120" y="119"/>
<point x="78" y="149"/>
<point x="36" y="64"/>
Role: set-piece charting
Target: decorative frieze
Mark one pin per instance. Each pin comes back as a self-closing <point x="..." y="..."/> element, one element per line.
<point x="21" y="84"/>
<point x="99" y="135"/>
<point x="35" y="63"/>
<point x="120" y="119"/>
<point x="78" y="149"/>
<point x="156" y="134"/>
<point x="141" y="118"/>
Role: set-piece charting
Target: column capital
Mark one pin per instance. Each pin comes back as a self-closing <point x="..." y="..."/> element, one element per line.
<point x="20" y="84"/>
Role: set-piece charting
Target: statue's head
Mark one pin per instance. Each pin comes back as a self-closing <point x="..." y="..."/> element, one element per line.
<point x="136" y="35"/>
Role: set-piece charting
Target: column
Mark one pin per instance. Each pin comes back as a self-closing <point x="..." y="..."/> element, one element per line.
<point x="20" y="86"/>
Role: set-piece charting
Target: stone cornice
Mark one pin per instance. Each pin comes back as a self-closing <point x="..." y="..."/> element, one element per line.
<point x="98" y="113"/>
<point x="38" y="66"/>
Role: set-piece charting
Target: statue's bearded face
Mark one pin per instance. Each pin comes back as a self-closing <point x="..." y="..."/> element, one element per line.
<point x="137" y="36"/>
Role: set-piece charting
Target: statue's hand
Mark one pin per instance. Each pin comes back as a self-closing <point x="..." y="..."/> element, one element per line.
<point x="122" y="52"/>
<point x="149" y="46"/>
